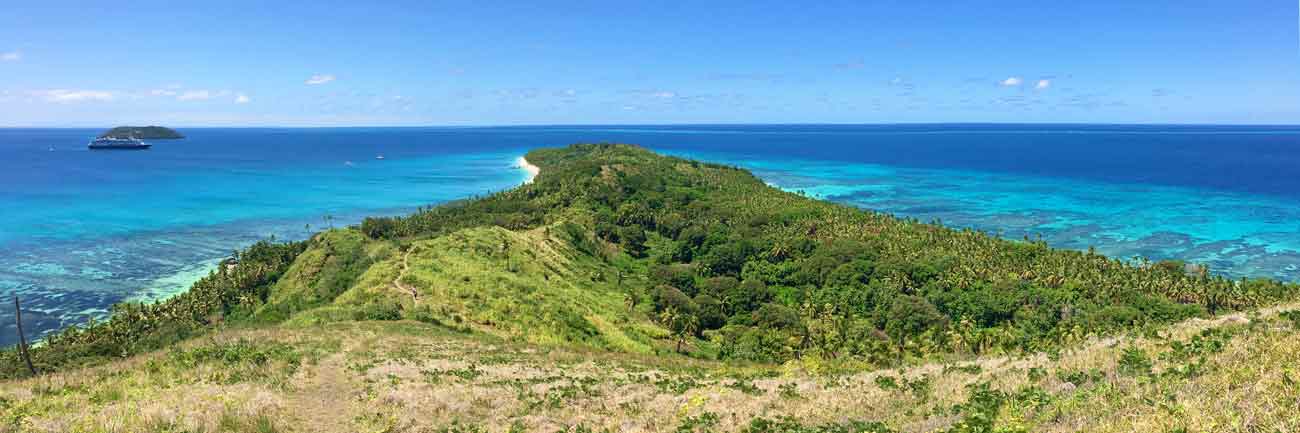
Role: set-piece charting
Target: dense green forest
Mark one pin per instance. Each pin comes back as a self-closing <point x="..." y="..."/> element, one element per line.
<point x="143" y="132"/>
<point x="617" y="248"/>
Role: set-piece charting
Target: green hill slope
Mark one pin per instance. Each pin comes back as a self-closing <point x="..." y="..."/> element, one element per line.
<point x="617" y="251"/>
<point x="529" y="286"/>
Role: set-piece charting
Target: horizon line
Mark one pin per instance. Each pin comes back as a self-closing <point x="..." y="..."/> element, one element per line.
<point x="525" y="125"/>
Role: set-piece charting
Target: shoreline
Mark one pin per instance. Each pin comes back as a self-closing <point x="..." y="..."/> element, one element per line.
<point x="175" y="283"/>
<point x="532" y="170"/>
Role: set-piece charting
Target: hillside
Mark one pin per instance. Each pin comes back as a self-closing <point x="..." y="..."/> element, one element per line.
<point x="143" y="133"/>
<point x="625" y="290"/>
<point x="1233" y="374"/>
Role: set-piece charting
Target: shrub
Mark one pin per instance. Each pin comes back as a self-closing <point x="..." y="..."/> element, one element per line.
<point x="633" y="240"/>
<point x="747" y="297"/>
<point x="679" y="275"/>
<point x="787" y="424"/>
<point x="668" y="297"/>
<point x="379" y="227"/>
<point x="1293" y="316"/>
<point x="718" y="287"/>
<point x="776" y="316"/>
<point x="710" y="311"/>
<point x="378" y="310"/>
<point x="1134" y="362"/>
<point x="911" y="316"/>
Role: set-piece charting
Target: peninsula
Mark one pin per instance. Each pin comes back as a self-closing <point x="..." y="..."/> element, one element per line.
<point x="622" y="290"/>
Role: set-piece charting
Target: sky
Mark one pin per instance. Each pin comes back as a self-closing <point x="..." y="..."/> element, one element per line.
<point x="353" y="63"/>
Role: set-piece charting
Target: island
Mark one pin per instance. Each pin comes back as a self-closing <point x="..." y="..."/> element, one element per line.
<point x="623" y="290"/>
<point x="143" y="133"/>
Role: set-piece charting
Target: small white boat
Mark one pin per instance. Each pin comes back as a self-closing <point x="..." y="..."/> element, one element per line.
<point x="379" y="157"/>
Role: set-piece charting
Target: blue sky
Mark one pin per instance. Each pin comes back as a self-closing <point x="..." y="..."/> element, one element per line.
<point x="315" y="63"/>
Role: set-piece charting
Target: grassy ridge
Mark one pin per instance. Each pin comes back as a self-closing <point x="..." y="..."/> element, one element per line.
<point x="615" y="247"/>
<point x="767" y="275"/>
<point x="532" y="286"/>
<point x="631" y="258"/>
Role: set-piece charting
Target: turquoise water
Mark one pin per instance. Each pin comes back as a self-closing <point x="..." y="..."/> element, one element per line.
<point x="1235" y="234"/>
<point x="89" y="229"/>
<point x="83" y="230"/>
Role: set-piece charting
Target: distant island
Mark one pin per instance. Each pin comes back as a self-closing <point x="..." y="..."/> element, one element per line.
<point x="143" y="132"/>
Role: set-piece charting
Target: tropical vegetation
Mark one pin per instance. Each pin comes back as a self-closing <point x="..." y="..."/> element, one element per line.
<point x="677" y="275"/>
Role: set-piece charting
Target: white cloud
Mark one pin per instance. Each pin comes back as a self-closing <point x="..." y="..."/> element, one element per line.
<point x="1043" y="84"/>
<point x="65" y="95"/>
<point x="1012" y="81"/>
<point x="162" y="92"/>
<point x="663" y="95"/>
<point x="12" y="56"/>
<point x="320" y="79"/>
<point x="242" y="99"/>
<point x="194" y="95"/>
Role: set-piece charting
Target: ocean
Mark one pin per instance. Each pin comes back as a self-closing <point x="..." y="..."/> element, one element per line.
<point x="81" y="230"/>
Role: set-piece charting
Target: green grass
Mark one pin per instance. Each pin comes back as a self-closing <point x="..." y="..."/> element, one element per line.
<point x="626" y="287"/>
<point x="1224" y="375"/>
<point x="532" y="286"/>
<point x="334" y="262"/>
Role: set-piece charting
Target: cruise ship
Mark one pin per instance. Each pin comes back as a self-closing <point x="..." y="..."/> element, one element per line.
<point x="118" y="143"/>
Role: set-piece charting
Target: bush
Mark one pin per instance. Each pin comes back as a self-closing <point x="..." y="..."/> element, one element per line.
<point x="747" y="297"/>
<point x="776" y="316"/>
<point x="378" y="310"/>
<point x="726" y="259"/>
<point x="787" y="424"/>
<point x="752" y="343"/>
<point x="668" y="297"/>
<point x="912" y="316"/>
<point x="1293" y="316"/>
<point x="1134" y="362"/>
<point x="711" y="312"/>
<point x="633" y="241"/>
<point x="681" y="276"/>
<point x="379" y="227"/>
<point x="718" y="287"/>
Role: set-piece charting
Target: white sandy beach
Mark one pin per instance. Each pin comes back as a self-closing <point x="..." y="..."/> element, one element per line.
<point x="528" y="167"/>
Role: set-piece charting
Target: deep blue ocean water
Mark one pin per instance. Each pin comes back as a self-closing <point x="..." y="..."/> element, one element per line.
<point x="81" y="230"/>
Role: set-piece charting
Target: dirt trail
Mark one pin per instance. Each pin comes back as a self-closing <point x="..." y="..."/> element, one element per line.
<point x="405" y="266"/>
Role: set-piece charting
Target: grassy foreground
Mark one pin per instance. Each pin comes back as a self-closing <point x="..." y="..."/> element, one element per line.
<point x="627" y="291"/>
<point x="1234" y="373"/>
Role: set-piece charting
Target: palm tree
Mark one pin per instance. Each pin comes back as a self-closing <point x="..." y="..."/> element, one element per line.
<point x="681" y="325"/>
